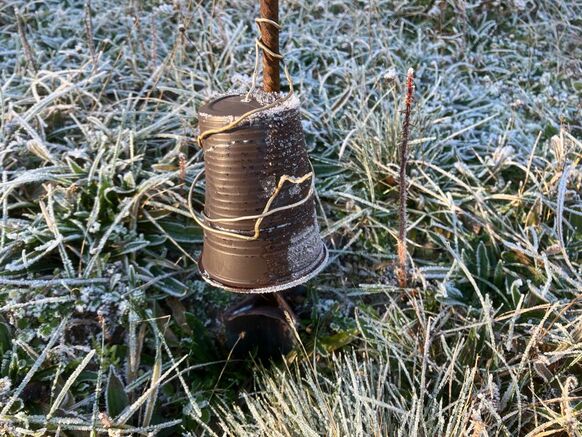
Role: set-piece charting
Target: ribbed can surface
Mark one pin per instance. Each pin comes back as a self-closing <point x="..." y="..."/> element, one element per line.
<point x="243" y="167"/>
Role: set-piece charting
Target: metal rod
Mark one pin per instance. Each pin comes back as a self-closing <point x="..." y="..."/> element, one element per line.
<point x="270" y="34"/>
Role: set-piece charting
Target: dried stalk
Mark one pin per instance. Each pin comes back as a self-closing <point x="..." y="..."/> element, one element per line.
<point x="403" y="183"/>
<point x="29" y="54"/>
<point x="183" y="168"/>
<point x="154" y="44"/>
<point x="89" y="32"/>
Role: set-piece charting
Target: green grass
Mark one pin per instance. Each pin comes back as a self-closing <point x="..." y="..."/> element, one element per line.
<point x="105" y="324"/>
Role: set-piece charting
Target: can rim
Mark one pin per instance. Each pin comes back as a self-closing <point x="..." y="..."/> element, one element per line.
<point x="273" y="288"/>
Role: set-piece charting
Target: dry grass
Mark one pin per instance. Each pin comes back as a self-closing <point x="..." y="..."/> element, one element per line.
<point x="106" y="326"/>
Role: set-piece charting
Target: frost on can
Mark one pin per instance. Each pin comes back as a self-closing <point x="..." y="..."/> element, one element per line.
<point x="243" y="167"/>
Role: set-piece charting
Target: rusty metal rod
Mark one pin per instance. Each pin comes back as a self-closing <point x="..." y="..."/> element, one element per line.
<point x="269" y="9"/>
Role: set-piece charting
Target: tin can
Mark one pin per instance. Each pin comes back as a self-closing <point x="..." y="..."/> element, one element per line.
<point x="261" y="232"/>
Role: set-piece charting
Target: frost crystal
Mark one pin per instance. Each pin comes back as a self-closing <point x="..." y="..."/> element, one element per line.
<point x="391" y="75"/>
<point x="5" y="385"/>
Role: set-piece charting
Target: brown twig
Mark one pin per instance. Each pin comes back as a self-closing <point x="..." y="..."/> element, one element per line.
<point x="89" y="32"/>
<point x="182" y="165"/>
<point x="270" y="38"/>
<point x="154" y="46"/>
<point x="403" y="183"/>
<point x="138" y="29"/>
<point x="29" y="54"/>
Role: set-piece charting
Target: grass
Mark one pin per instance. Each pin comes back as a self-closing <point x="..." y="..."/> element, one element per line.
<point x="106" y="327"/>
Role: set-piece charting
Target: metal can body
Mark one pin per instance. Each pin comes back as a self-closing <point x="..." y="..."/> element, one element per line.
<point x="244" y="166"/>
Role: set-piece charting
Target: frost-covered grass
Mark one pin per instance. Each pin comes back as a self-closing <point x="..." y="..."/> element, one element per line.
<point x="105" y="325"/>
